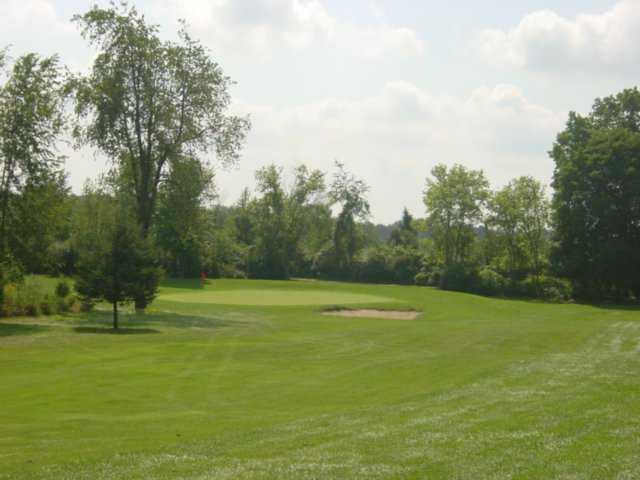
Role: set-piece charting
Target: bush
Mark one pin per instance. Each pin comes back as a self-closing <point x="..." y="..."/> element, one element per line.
<point x="31" y="297"/>
<point x="490" y="282"/>
<point x="374" y="267"/>
<point x="48" y="305"/>
<point x="406" y="265"/>
<point x="546" y="287"/>
<point x="62" y="289"/>
<point x="422" y="278"/>
<point x="460" y="278"/>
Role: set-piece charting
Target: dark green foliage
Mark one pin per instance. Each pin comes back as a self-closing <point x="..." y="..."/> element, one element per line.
<point x="31" y="121"/>
<point x="596" y="201"/>
<point x="405" y="234"/>
<point x="459" y="277"/>
<point x="270" y="258"/>
<point x="118" y="269"/>
<point x="386" y="264"/>
<point x="180" y="226"/>
<point x="62" y="289"/>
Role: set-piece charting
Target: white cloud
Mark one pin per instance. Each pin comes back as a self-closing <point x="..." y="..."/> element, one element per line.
<point x="261" y="27"/>
<point x="546" y="41"/>
<point x="394" y="138"/>
<point x="36" y="25"/>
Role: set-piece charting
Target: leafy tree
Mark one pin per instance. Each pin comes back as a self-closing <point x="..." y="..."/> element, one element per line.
<point x="180" y="225"/>
<point x="303" y="205"/>
<point x="39" y="219"/>
<point x="149" y="103"/>
<point x="31" y="121"/>
<point x="596" y="203"/>
<point x="271" y="256"/>
<point x="119" y="268"/>
<point x="455" y="200"/>
<point x="244" y="219"/>
<point x="520" y="214"/>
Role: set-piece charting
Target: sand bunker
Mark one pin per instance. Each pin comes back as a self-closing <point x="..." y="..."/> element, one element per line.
<point x="371" y="313"/>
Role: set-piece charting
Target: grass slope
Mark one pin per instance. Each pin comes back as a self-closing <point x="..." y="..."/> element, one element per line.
<point x="475" y="388"/>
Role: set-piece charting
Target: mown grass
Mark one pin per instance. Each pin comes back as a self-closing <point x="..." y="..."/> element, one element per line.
<point x="475" y="388"/>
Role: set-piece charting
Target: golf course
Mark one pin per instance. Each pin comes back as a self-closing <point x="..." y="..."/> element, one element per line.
<point x="248" y="379"/>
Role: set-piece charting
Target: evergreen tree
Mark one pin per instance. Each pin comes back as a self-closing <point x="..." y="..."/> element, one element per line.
<point x="119" y="269"/>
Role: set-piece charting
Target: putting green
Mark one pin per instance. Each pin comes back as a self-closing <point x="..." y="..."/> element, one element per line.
<point x="273" y="297"/>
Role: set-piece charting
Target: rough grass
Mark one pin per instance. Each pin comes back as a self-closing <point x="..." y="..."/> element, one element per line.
<point x="474" y="388"/>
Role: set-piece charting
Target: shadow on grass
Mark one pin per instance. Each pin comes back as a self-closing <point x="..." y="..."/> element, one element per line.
<point x="112" y="331"/>
<point x="629" y="307"/>
<point x="10" y="329"/>
<point x="134" y="323"/>
<point x="187" y="283"/>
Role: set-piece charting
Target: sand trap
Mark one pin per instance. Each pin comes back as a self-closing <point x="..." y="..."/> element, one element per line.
<point x="371" y="313"/>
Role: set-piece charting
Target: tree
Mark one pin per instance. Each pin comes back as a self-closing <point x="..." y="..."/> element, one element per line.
<point x="303" y="206"/>
<point x="180" y="225"/>
<point x="404" y="235"/>
<point x="118" y="269"/>
<point x="520" y="215"/>
<point x="271" y="257"/>
<point x="596" y="204"/>
<point x="455" y="199"/>
<point x="31" y="121"/>
<point x="39" y="218"/>
<point x="350" y="194"/>
<point x="149" y="103"/>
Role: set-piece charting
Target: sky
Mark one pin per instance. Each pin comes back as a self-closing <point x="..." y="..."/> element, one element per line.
<point x="390" y="88"/>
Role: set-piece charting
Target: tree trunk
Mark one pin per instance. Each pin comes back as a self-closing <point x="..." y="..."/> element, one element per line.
<point x="115" y="315"/>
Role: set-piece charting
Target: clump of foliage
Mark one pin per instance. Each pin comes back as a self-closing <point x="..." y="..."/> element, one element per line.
<point x="118" y="269"/>
<point x="596" y="201"/>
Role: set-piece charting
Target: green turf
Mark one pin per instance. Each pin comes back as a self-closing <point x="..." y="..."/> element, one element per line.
<point x="267" y="296"/>
<point x="475" y="388"/>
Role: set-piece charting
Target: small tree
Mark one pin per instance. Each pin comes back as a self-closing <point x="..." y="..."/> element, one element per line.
<point x="350" y="193"/>
<point x="118" y="270"/>
<point x="405" y="234"/>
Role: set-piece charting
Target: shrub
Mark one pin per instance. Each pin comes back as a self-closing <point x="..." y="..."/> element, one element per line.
<point x="48" y="305"/>
<point x="406" y="265"/>
<point x="546" y="287"/>
<point x="62" y="289"/>
<point x="421" y="278"/>
<point x="490" y="282"/>
<point x="460" y="278"/>
<point x="374" y="267"/>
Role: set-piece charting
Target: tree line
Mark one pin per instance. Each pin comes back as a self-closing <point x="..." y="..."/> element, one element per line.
<point x="158" y="110"/>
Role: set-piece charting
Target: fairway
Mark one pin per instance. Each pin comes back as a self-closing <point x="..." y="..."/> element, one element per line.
<point x="201" y="388"/>
<point x="273" y="297"/>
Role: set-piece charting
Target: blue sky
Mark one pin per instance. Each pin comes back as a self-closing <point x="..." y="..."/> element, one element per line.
<point x="390" y="88"/>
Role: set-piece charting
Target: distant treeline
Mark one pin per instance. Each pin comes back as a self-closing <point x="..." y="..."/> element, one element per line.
<point x="158" y="109"/>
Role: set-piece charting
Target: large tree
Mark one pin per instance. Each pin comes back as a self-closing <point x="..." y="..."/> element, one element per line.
<point x="597" y="198"/>
<point x="148" y="103"/>
<point x="455" y="199"/>
<point x="31" y="121"/>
